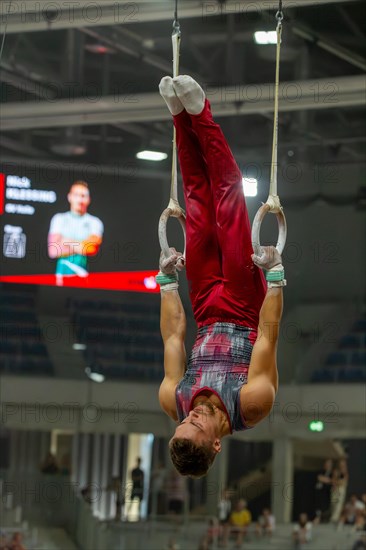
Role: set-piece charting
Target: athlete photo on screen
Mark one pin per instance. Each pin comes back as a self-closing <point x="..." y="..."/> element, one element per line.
<point x="74" y="235"/>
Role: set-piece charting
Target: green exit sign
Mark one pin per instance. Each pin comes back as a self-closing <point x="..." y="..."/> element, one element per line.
<point x="316" y="426"/>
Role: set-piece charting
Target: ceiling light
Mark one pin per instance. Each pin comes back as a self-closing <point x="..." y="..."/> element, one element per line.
<point x="94" y="374"/>
<point x="151" y="155"/>
<point x="250" y="187"/>
<point x="69" y="149"/>
<point x="100" y="49"/>
<point x="265" y="37"/>
<point x="272" y="37"/>
<point x="79" y="347"/>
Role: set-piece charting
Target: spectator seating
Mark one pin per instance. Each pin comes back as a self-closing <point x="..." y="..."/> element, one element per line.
<point x="347" y="363"/>
<point x="22" y="348"/>
<point x="123" y="339"/>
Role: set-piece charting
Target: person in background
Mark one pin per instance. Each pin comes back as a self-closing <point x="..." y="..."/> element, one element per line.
<point x="86" y="493"/>
<point x="176" y="492"/>
<point x="116" y="488"/>
<point x="172" y="545"/>
<point x="352" y="513"/>
<point x="17" y="542"/>
<point x="302" y="532"/>
<point x="75" y="235"/>
<point x="49" y="465"/>
<point x="211" y="536"/>
<point x="157" y="488"/>
<point x="4" y="544"/>
<point x="224" y="508"/>
<point x="230" y="380"/>
<point x="339" y="490"/>
<point x="323" y="489"/>
<point x="239" y="521"/>
<point x="266" y="523"/>
<point x="360" y="543"/>
<point x="137" y="477"/>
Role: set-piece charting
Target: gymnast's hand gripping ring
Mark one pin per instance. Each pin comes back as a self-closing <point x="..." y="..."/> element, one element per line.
<point x="272" y="205"/>
<point x="175" y="211"/>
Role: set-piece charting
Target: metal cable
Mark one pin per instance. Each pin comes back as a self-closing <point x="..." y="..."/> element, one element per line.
<point x="4" y="34"/>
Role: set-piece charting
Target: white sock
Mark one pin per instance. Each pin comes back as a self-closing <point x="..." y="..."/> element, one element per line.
<point x="167" y="92"/>
<point x="190" y="94"/>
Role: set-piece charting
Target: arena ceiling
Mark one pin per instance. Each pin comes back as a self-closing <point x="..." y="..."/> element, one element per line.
<point x="79" y="79"/>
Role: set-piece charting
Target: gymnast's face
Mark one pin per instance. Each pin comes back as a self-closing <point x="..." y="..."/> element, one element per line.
<point x="200" y="426"/>
<point x="79" y="199"/>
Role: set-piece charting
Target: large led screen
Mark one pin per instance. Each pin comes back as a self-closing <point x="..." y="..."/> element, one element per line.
<point x="70" y="232"/>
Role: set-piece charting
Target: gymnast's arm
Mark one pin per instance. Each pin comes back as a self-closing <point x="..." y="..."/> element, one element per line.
<point x="60" y="246"/>
<point x="173" y="331"/>
<point x="257" y="396"/>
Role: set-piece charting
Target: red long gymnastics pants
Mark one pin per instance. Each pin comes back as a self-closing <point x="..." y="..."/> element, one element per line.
<point x="224" y="284"/>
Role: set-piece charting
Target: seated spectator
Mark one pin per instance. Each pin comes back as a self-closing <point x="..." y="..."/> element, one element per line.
<point x="266" y="523"/>
<point x="211" y="536"/>
<point x="360" y="543"/>
<point x="224" y="511"/>
<point x="172" y="545"/>
<point x="302" y="532"/>
<point x="360" y="515"/>
<point x="86" y="493"/>
<point x="360" y="521"/>
<point x="352" y="512"/>
<point x="49" y="465"/>
<point x="239" y="522"/>
<point x="17" y="542"/>
<point x="4" y="544"/>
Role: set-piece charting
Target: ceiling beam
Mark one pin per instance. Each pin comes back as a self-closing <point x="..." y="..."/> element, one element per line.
<point x="42" y="15"/>
<point x="24" y="84"/>
<point x="352" y="25"/>
<point x="144" y="134"/>
<point x="233" y="100"/>
<point x="329" y="45"/>
<point x="121" y="42"/>
<point x="20" y="147"/>
<point x="118" y="169"/>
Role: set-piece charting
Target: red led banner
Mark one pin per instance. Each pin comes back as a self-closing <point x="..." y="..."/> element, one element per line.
<point x="129" y="281"/>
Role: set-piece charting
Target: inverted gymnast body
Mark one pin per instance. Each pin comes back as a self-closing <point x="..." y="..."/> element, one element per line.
<point x="231" y="378"/>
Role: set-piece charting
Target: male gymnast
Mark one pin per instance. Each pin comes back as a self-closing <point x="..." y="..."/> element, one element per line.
<point x="231" y="378"/>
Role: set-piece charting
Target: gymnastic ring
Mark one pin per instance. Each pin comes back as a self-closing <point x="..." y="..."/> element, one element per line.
<point x="282" y="228"/>
<point x="162" y="228"/>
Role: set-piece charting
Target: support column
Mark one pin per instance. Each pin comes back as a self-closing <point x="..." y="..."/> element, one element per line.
<point x="75" y="457"/>
<point x="14" y="451"/>
<point x="104" y="508"/>
<point x="95" y="477"/>
<point x="116" y="484"/>
<point x="33" y="445"/>
<point x="23" y="451"/>
<point x="84" y="460"/>
<point x="282" y="479"/>
<point x="44" y="445"/>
